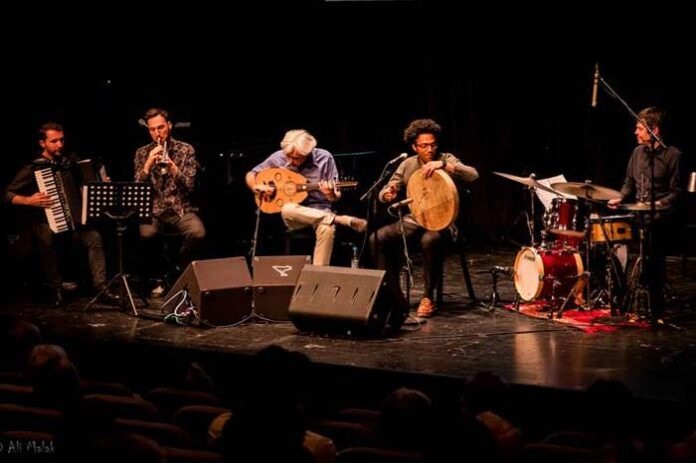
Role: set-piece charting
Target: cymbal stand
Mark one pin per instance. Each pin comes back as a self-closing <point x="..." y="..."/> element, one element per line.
<point x="579" y="279"/>
<point x="610" y="272"/>
<point x="637" y="302"/>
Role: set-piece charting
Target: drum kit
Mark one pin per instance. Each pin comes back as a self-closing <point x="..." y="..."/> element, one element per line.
<point x="579" y="248"/>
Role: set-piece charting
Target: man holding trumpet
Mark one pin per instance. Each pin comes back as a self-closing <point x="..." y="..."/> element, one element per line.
<point x="171" y="166"/>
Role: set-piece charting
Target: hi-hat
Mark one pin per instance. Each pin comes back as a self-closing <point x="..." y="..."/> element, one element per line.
<point x="642" y="207"/>
<point x="529" y="181"/>
<point x="587" y="191"/>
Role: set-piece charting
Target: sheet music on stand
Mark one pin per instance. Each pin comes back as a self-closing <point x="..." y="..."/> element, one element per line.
<point x="547" y="198"/>
<point x="118" y="201"/>
<point x="119" y="198"/>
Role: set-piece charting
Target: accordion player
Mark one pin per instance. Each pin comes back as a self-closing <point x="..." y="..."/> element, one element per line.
<point x="64" y="184"/>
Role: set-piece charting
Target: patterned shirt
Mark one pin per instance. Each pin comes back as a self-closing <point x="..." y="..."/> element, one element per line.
<point x="171" y="192"/>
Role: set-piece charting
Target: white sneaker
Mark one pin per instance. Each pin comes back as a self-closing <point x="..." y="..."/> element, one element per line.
<point x="157" y="291"/>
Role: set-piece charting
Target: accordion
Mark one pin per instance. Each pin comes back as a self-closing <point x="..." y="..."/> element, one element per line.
<point x="64" y="186"/>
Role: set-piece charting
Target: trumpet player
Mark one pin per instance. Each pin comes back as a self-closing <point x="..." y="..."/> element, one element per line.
<point x="171" y="166"/>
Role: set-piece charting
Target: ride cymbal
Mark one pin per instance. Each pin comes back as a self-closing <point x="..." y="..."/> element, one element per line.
<point x="587" y="190"/>
<point x="529" y="181"/>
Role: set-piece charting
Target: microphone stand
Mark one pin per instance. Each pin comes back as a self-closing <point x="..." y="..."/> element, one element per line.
<point x="613" y="94"/>
<point x="650" y="273"/>
<point x="255" y="238"/>
<point x="382" y="177"/>
<point x="372" y="201"/>
<point x="530" y="220"/>
<point x="650" y="151"/>
<point x="407" y="257"/>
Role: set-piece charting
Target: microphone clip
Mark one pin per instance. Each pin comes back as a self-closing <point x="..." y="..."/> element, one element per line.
<point x="402" y="203"/>
<point x="496" y="269"/>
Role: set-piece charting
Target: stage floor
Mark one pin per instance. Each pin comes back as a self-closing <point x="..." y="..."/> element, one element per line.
<point x="462" y="339"/>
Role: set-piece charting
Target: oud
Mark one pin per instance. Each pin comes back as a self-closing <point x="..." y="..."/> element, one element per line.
<point x="288" y="187"/>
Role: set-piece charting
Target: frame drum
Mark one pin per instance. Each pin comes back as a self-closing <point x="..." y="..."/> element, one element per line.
<point x="435" y="203"/>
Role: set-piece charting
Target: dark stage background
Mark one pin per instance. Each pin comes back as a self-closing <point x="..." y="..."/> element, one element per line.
<point x="512" y="94"/>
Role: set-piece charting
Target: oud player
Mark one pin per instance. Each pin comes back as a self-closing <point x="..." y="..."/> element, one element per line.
<point x="299" y="153"/>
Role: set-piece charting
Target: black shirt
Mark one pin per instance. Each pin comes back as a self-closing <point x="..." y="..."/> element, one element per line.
<point x="24" y="184"/>
<point x="637" y="185"/>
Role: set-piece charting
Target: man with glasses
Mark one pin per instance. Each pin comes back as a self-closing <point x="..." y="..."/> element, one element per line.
<point x="422" y="137"/>
<point x="299" y="153"/>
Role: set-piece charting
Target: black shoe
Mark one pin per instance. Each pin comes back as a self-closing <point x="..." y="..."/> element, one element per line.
<point x="110" y="297"/>
<point x="57" y="299"/>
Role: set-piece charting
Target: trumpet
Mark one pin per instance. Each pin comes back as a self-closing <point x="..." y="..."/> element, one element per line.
<point x="163" y="159"/>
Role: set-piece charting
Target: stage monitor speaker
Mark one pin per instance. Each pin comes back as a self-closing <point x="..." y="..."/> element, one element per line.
<point x="352" y="301"/>
<point x="219" y="289"/>
<point x="274" y="282"/>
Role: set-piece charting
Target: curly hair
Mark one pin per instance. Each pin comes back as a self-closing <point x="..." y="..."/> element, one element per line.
<point x="420" y="126"/>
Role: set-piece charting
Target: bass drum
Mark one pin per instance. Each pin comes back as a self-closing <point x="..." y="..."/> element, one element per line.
<point x="546" y="273"/>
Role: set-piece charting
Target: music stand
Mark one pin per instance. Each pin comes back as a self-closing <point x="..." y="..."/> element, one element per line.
<point x="118" y="201"/>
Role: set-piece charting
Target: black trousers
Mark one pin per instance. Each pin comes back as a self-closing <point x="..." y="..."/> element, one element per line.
<point x="189" y="227"/>
<point x="50" y="245"/>
<point x="387" y="251"/>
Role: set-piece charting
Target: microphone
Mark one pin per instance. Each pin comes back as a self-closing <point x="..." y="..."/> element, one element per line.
<point x="505" y="270"/>
<point x="402" y="203"/>
<point x="496" y="269"/>
<point x="595" y="85"/>
<point x="397" y="159"/>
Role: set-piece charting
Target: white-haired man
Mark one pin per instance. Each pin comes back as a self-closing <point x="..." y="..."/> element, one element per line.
<point x="299" y="153"/>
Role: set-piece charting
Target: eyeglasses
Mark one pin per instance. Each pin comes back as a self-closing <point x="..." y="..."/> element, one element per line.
<point x="426" y="145"/>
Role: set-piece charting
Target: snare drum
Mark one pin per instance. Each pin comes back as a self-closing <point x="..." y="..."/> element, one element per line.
<point x="546" y="272"/>
<point x="617" y="228"/>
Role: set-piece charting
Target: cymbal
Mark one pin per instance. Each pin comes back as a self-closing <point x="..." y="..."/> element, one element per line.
<point x="587" y="190"/>
<point x="642" y="207"/>
<point x="529" y="181"/>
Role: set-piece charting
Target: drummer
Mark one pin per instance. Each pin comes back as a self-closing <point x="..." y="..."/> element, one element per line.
<point x="637" y="188"/>
<point x="421" y="136"/>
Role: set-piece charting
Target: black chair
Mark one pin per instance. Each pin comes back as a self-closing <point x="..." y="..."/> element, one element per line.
<point x="458" y="244"/>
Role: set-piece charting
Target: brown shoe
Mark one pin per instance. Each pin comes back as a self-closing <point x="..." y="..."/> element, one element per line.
<point x="426" y="309"/>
